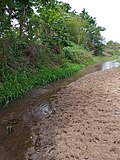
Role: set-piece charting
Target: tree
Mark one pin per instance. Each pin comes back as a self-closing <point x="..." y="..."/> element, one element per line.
<point x="14" y="11"/>
<point x="94" y="39"/>
<point x="75" y="27"/>
<point x="50" y="22"/>
<point x="65" y="6"/>
<point x="52" y="25"/>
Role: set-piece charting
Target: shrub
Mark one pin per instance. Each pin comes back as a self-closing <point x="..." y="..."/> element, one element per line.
<point x="76" y="54"/>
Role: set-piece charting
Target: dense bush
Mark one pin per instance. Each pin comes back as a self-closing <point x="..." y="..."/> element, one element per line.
<point x="76" y="53"/>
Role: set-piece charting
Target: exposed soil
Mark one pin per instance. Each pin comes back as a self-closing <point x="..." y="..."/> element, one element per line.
<point x="79" y="122"/>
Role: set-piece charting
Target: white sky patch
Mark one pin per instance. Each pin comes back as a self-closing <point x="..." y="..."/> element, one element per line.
<point x="107" y="13"/>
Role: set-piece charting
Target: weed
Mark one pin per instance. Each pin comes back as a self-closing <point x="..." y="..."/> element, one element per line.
<point x="21" y="81"/>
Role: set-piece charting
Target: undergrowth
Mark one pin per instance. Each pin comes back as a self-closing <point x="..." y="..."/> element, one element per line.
<point x="76" y="53"/>
<point x="32" y="65"/>
<point x="22" y="81"/>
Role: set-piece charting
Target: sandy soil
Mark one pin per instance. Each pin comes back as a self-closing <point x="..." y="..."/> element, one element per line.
<point x="90" y="118"/>
<point x="83" y="122"/>
<point x="86" y="123"/>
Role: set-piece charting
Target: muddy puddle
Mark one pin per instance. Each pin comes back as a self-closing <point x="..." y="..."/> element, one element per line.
<point x="25" y="120"/>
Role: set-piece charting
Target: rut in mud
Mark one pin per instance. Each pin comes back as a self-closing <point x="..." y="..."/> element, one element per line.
<point x="81" y="121"/>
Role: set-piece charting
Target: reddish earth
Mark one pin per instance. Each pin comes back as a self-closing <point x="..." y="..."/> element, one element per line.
<point x="79" y="122"/>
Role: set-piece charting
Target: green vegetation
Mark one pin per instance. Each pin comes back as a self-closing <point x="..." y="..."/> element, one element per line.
<point x="22" y="81"/>
<point x="76" y="53"/>
<point x="112" y="48"/>
<point x="41" y="42"/>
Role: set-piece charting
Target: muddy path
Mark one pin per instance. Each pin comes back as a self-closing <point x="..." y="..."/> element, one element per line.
<point x="64" y="120"/>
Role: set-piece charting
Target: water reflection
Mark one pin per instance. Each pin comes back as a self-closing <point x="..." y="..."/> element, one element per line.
<point x="110" y="64"/>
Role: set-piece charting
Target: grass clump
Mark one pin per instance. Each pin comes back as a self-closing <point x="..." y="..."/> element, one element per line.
<point x="21" y="81"/>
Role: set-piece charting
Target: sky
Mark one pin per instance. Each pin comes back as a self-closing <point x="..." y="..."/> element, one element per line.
<point x="107" y="13"/>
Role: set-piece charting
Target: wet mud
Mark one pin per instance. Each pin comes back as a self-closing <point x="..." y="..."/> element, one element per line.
<point x="75" y="118"/>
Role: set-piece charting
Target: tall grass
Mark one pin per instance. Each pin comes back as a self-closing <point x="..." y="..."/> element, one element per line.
<point x="21" y="81"/>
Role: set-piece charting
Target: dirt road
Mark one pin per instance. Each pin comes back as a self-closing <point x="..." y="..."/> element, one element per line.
<point x="81" y="123"/>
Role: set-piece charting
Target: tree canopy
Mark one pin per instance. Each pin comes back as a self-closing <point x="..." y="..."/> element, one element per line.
<point x="51" y="22"/>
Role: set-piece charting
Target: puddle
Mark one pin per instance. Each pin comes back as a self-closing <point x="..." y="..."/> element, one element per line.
<point x="38" y="111"/>
<point x="110" y="64"/>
